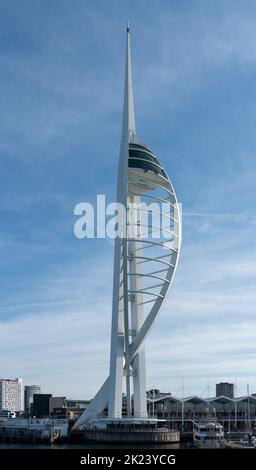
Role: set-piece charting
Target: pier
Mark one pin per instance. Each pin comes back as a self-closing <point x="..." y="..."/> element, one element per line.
<point x="34" y="430"/>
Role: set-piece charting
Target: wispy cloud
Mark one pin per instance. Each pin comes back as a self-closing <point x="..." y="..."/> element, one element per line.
<point x="223" y="215"/>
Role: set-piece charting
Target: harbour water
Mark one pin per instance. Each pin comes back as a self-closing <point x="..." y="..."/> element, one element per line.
<point x="91" y="446"/>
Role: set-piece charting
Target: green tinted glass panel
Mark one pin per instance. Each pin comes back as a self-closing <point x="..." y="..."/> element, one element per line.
<point x="144" y="160"/>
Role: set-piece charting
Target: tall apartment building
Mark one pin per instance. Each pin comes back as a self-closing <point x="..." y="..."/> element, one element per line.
<point x="225" y="389"/>
<point x="11" y="394"/>
<point x="29" y="391"/>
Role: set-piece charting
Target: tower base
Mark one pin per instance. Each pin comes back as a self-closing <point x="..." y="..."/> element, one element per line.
<point x="130" y="430"/>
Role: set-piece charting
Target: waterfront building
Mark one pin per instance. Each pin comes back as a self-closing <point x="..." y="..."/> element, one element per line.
<point x="226" y="389"/>
<point x="235" y="414"/>
<point x="77" y="404"/>
<point x="63" y="402"/>
<point x="58" y="407"/>
<point x="56" y="402"/>
<point x="68" y="408"/>
<point x="11" y="394"/>
<point x="48" y="429"/>
<point x="29" y="391"/>
<point x="41" y="405"/>
<point x="45" y="405"/>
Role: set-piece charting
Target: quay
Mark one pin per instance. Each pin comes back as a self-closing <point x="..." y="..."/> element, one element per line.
<point x="127" y="430"/>
<point x="33" y="430"/>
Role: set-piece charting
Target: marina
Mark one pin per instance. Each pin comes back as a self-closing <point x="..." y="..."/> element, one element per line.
<point x="208" y="434"/>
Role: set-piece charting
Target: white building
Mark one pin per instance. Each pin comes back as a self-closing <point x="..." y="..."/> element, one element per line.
<point x="46" y="427"/>
<point x="11" y="394"/>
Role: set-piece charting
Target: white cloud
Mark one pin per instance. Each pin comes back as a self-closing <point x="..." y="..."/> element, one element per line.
<point x="65" y="353"/>
<point x="203" y="353"/>
<point x="187" y="47"/>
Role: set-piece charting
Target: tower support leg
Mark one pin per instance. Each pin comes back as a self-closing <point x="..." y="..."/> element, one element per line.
<point x="137" y="312"/>
<point x="117" y="340"/>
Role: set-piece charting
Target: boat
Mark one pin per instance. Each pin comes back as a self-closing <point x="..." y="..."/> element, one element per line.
<point x="248" y="441"/>
<point x="208" y="433"/>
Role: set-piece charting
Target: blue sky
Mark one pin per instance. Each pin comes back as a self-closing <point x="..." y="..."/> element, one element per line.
<point x="61" y="69"/>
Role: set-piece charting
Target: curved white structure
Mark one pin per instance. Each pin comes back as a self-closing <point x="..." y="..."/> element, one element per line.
<point x="146" y="257"/>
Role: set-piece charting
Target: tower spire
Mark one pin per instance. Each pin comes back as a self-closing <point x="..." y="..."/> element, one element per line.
<point x="128" y="109"/>
<point x="140" y="176"/>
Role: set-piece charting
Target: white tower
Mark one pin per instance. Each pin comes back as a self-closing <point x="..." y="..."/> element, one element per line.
<point x="145" y="261"/>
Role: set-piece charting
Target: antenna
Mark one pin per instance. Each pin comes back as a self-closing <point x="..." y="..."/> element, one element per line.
<point x="208" y="394"/>
<point x="128" y="108"/>
<point x="248" y="409"/>
<point x="182" y="406"/>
